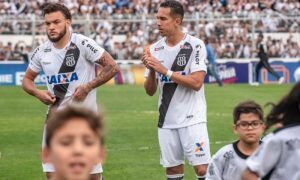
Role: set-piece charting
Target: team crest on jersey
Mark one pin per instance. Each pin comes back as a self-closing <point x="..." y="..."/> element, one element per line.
<point x="228" y="155"/>
<point x="62" y="78"/>
<point x="70" y="61"/>
<point x="181" y="60"/>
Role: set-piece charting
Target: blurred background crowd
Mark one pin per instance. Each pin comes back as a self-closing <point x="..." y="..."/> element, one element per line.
<point x="123" y="27"/>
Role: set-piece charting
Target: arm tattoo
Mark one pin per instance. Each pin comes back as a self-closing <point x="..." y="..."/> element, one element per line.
<point x="109" y="68"/>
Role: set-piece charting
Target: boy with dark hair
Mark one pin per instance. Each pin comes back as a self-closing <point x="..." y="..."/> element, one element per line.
<point x="73" y="151"/>
<point x="230" y="161"/>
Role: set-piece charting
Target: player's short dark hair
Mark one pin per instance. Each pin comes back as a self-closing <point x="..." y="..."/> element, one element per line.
<point x="55" y="7"/>
<point x="246" y="107"/>
<point x="60" y="117"/>
<point x="175" y="6"/>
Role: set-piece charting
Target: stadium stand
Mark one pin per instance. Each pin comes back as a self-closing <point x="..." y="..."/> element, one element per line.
<point x="122" y="27"/>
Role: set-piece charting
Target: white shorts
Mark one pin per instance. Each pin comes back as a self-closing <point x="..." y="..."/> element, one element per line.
<point x="189" y="142"/>
<point x="48" y="167"/>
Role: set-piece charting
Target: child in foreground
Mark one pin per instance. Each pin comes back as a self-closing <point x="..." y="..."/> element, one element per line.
<point x="74" y="143"/>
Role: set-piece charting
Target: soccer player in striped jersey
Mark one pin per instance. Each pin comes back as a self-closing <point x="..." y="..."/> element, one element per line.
<point x="176" y="65"/>
<point x="230" y="161"/>
<point x="279" y="156"/>
<point x="68" y="61"/>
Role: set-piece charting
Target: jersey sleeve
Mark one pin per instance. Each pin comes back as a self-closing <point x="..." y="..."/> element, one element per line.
<point x="35" y="61"/>
<point x="265" y="157"/>
<point x="199" y="57"/>
<point x="92" y="50"/>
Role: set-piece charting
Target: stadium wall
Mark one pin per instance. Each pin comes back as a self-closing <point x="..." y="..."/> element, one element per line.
<point x="132" y="72"/>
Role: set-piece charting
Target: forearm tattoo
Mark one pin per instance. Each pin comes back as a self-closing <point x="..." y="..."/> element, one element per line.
<point x="109" y="68"/>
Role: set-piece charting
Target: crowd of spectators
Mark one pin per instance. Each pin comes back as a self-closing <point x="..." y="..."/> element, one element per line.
<point x="123" y="18"/>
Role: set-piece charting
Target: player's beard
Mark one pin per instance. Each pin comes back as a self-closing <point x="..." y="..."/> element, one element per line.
<point x="60" y="35"/>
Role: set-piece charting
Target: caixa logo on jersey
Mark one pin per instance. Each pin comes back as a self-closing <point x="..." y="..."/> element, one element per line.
<point x="165" y="79"/>
<point x="62" y="78"/>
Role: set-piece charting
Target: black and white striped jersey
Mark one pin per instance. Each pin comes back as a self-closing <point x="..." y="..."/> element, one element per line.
<point x="180" y="106"/>
<point x="67" y="68"/>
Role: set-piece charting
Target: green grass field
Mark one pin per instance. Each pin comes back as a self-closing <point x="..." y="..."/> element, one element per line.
<point x="131" y="115"/>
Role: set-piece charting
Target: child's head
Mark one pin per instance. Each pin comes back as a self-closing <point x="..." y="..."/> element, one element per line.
<point x="74" y="138"/>
<point x="248" y="121"/>
<point x="287" y="110"/>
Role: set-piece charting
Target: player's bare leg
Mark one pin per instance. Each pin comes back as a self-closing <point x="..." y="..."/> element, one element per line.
<point x="200" y="171"/>
<point x="175" y="173"/>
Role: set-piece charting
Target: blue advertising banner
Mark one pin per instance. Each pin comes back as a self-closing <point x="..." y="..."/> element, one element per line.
<point x="231" y="72"/>
<point x="289" y="70"/>
<point x="13" y="74"/>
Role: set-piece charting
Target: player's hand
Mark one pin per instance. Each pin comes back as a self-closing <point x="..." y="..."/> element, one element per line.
<point x="45" y="97"/>
<point x="146" y="54"/>
<point x="81" y="92"/>
<point x="144" y="60"/>
<point x="154" y="64"/>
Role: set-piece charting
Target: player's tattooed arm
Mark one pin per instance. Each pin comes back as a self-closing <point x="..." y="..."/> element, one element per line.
<point x="108" y="69"/>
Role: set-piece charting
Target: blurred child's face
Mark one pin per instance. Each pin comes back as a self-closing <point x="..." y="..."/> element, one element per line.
<point x="249" y="133"/>
<point x="74" y="150"/>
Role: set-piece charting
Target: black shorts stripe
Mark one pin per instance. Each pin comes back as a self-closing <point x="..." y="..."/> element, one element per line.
<point x="170" y="88"/>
